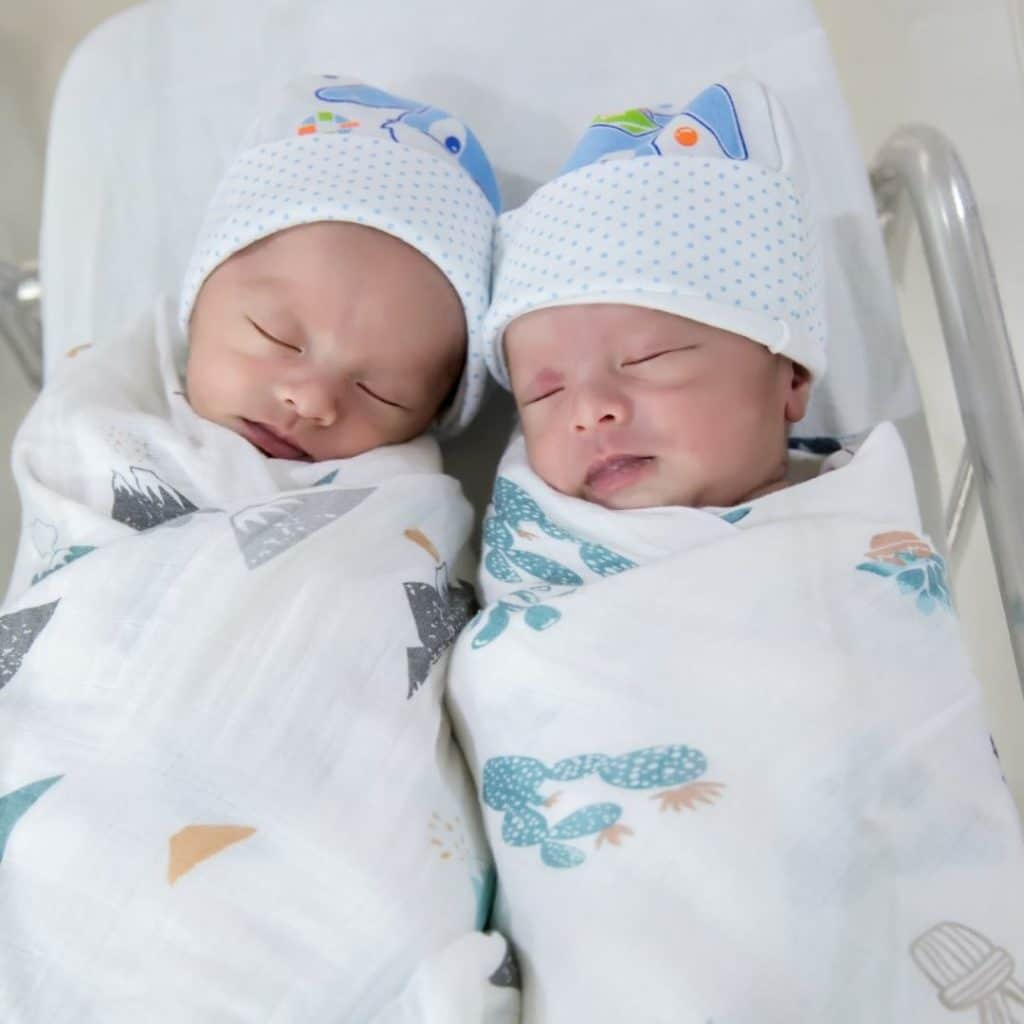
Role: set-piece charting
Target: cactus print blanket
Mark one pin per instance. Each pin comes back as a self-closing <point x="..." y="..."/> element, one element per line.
<point x="733" y="763"/>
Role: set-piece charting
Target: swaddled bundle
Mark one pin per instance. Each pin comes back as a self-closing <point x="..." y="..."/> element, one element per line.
<point x="731" y="753"/>
<point x="733" y="762"/>
<point x="228" y="790"/>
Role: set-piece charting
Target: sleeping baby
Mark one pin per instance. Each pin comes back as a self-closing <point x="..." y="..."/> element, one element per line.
<point x="228" y="790"/>
<point x="732" y="757"/>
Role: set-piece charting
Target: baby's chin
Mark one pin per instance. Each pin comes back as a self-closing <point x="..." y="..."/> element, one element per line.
<point x="650" y="490"/>
<point x="644" y="494"/>
<point x="628" y="499"/>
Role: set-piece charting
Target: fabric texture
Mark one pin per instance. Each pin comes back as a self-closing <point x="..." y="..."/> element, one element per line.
<point x="698" y="209"/>
<point x="228" y="788"/>
<point x="733" y="761"/>
<point x="335" y="150"/>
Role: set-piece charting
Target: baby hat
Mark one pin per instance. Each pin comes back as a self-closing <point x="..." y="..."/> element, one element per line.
<point x="333" y="149"/>
<point x="699" y="210"/>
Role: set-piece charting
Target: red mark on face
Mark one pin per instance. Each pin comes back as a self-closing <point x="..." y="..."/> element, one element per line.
<point x="545" y="381"/>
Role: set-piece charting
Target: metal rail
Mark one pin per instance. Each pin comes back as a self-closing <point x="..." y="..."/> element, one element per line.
<point x="20" y="327"/>
<point x="918" y="171"/>
<point x="959" y="503"/>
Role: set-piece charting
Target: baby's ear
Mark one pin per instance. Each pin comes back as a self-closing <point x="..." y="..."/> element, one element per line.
<point x="799" y="391"/>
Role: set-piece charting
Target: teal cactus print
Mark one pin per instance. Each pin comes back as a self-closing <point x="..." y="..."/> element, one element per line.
<point x="914" y="565"/>
<point x="511" y="786"/>
<point x="530" y="601"/>
<point x="511" y="508"/>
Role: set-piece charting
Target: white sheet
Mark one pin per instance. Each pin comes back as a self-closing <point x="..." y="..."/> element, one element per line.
<point x="734" y="762"/>
<point x="153" y="103"/>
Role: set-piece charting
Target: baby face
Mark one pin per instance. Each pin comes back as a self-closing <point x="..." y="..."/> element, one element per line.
<point x="633" y="408"/>
<point x="324" y="341"/>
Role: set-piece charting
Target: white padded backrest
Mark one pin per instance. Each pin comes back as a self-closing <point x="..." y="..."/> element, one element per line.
<point x="153" y="104"/>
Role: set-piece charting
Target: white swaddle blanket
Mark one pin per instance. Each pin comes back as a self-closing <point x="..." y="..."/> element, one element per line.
<point x="228" y="790"/>
<point x="733" y="762"/>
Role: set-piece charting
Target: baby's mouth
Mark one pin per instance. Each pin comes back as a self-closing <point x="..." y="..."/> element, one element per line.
<point x="271" y="443"/>
<point x="615" y="472"/>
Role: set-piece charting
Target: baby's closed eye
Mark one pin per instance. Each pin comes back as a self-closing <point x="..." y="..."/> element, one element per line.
<point x="657" y="355"/>
<point x="546" y="383"/>
<point x="366" y="389"/>
<point x="273" y="337"/>
<point x="540" y="398"/>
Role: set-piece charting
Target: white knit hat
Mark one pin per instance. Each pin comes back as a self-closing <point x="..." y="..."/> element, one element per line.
<point x="698" y="210"/>
<point x="331" y="149"/>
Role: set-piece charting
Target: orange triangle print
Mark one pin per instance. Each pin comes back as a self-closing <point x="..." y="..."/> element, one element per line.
<point x="196" y="843"/>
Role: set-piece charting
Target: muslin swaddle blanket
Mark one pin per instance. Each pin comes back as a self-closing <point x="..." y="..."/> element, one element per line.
<point x="733" y="762"/>
<point x="228" y="790"/>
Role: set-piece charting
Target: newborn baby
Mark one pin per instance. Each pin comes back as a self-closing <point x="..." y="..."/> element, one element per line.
<point x="228" y="790"/>
<point x="634" y="408"/>
<point x="325" y="341"/>
<point x="730" y="750"/>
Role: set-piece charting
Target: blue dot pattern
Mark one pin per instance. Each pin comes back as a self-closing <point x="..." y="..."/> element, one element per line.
<point x="428" y="201"/>
<point x="726" y="241"/>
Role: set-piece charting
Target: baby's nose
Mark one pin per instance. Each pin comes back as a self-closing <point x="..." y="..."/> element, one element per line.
<point x="312" y="398"/>
<point x="595" y="409"/>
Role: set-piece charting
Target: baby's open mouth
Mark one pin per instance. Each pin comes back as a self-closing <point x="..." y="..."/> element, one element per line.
<point x="271" y="443"/>
<point x="616" y="471"/>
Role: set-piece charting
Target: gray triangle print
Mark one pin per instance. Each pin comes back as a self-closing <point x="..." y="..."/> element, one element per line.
<point x="506" y="975"/>
<point x="264" y="531"/>
<point x="18" y="632"/>
<point x="145" y="501"/>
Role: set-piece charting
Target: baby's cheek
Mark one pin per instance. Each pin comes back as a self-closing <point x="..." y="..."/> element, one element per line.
<point x="684" y="419"/>
<point x="548" y="459"/>
<point x="216" y="382"/>
<point x="196" y="381"/>
<point x="696" y="437"/>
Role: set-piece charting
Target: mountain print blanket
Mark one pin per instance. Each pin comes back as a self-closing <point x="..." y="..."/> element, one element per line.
<point x="228" y="789"/>
<point x="733" y="762"/>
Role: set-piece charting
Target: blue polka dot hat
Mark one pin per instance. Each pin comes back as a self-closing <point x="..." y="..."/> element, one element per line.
<point x="699" y="210"/>
<point x="331" y="149"/>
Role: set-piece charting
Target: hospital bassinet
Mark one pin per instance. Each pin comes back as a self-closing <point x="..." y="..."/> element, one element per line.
<point x="154" y="102"/>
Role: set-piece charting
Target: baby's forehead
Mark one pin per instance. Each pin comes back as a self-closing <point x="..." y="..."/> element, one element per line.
<point x="332" y="257"/>
<point x="601" y="326"/>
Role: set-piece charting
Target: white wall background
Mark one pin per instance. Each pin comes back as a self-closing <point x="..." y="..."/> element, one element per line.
<point x="956" y="65"/>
